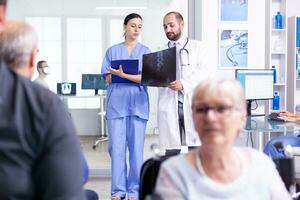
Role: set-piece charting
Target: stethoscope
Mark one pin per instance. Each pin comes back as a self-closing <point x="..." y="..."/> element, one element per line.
<point x="183" y="51"/>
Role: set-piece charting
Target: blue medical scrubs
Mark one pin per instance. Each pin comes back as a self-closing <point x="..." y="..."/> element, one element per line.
<point x="127" y="113"/>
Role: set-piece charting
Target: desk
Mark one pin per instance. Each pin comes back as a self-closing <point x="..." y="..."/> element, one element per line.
<point x="262" y="125"/>
<point x="85" y="114"/>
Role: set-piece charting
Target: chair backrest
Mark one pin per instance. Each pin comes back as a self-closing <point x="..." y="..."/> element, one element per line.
<point x="275" y="147"/>
<point x="149" y="173"/>
<point x="284" y="164"/>
<point x="85" y="169"/>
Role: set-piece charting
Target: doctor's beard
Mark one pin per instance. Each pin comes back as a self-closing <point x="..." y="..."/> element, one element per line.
<point x="173" y="36"/>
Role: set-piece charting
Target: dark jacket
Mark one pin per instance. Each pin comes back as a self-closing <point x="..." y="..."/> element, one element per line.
<point x="39" y="148"/>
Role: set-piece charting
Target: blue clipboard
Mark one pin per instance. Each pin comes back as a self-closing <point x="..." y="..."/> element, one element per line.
<point x="130" y="66"/>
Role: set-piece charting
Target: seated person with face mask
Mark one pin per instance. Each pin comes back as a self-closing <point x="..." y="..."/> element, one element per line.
<point x="43" y="70"/>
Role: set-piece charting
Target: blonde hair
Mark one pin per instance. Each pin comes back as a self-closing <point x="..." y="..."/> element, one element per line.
<point x="214" y="87"/>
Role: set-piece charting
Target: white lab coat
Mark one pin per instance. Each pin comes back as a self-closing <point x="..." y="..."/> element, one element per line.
<point x="168" y="128"/>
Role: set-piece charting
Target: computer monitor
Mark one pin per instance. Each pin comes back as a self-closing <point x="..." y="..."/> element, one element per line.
<point x="93" y="81"/>
<point x="258" y="84"/>
<point x="66" y="88"/>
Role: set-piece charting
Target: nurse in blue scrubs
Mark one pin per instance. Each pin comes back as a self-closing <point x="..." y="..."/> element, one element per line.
<point x="127" y="112"/>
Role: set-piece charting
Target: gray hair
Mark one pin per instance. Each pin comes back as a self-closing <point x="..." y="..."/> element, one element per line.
<point x="214" y="87"/>
<point x="3" y="2"/>
<point x="17" y="42"/>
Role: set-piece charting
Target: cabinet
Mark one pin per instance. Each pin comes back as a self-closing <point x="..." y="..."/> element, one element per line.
<point x="276" y="48"/>
<point x="293" y="83"/>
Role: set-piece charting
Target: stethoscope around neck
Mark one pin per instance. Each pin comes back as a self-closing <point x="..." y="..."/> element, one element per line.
<point x="183" y="51"/>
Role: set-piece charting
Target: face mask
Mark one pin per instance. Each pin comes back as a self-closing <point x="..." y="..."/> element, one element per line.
<point x="46" y="70"/>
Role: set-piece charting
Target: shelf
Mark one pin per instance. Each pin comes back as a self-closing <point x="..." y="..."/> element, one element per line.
<point x="278" y="30"/>
<point x="276" y="48"/>
<point x="279" y="84"/>
<point x="278" y="53"/>
<point x="293" y="81"/>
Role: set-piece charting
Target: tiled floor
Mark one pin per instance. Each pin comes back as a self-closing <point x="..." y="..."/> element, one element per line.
<point x="99" y="163"/>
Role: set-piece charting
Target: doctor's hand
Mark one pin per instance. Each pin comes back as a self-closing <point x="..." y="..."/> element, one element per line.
<point x="176" y="85"/>
<point x="118" y="72"/>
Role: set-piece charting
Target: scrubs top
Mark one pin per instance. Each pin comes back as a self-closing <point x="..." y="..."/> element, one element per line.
<point x="126" y="99"/>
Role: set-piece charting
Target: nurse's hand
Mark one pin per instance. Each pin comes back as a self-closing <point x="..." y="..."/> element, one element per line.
<point x="108" y="78"/>
<point x="176" y="85"/>
<point x="118" y="72"/>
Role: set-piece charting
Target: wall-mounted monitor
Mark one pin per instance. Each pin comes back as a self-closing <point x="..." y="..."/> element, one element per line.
<point x="93" y="81"/>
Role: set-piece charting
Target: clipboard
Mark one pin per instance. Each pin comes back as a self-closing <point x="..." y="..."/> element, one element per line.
<point x="130" y="66"/>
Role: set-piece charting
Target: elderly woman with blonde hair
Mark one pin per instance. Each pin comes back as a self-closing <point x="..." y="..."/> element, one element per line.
<point x="217" y="169"/>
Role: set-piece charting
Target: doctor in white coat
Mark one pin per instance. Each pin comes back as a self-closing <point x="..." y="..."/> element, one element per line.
<point x="175" y="124"/>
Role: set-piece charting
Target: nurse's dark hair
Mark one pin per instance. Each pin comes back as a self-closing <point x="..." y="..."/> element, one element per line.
<point x="3" y="2"/>
<point x="131" y="16"/>
<point x="177" y="15"/>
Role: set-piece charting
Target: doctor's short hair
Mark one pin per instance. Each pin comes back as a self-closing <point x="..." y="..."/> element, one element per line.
<point x="18" y="41"/>
<point x="39" y="64"/>
<point x="3" y="2"/>
<point x="177" y="15"/>
<point x="218" y="88"/>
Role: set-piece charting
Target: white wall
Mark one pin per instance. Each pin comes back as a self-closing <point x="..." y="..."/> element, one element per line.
<point x="293" y="8"/>
<point x="256" y="34"/>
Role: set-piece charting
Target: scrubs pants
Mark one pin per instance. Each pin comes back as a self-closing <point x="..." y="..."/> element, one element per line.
<point x="122" y="132"/>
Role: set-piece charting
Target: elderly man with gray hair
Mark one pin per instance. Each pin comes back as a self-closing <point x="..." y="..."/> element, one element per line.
<point x="18" y="47"/>
<point x="39" y="149"/>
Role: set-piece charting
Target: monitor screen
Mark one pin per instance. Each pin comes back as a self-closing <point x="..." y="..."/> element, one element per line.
<point x="66" y="88"/>
<point x="93" y="81"/>
<point x="257" y="83"/>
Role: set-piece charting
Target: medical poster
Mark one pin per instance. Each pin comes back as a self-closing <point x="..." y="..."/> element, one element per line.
<point x="159" y="68"/>
<point x="233" y="48"/>
<point x="233" y="10"/>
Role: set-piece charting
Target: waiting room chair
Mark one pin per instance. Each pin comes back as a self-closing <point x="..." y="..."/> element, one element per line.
<point x="150" y="171"/>
<point x="280" y="149"/>
<point x="89" y="194"/>
<point x="149" y="174"/>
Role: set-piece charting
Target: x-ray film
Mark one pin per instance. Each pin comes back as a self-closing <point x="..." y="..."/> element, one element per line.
<point x="159" y="68"/>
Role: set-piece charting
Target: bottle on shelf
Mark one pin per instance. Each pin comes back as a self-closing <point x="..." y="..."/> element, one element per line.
<point x="276" y="101"/>
<point x="278" y="21"/>
<point x="275" y="74"/>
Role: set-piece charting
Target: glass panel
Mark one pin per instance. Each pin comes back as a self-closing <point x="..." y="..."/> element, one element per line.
<point x="49" y="33"/>
<point x="84" y="50"/>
